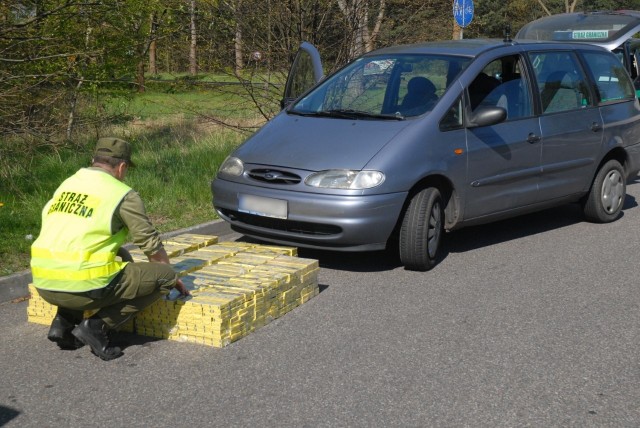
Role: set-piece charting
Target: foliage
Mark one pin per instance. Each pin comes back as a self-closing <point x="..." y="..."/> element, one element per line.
<point x="56" y="53"/>
<point x="176" y="159"/>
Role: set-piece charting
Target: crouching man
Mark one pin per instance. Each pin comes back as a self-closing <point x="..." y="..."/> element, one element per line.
<point x="74" y="259"/>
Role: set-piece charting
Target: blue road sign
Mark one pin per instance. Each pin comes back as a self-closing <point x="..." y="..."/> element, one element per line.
<point x="463" y="12"/>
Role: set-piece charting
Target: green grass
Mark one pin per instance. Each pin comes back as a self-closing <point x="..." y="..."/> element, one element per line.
<point x="20" y="213"/>
<point x="173" y="177"/>
<point x="177" y="154"/>
<point x="194" y="103"/>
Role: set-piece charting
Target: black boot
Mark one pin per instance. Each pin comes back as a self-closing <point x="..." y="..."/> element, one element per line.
<point x="93" y="332"/>
<point x="61" y="326"/>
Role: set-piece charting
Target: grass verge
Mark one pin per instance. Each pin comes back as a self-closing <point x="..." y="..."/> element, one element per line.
<point x="176" y="155"/>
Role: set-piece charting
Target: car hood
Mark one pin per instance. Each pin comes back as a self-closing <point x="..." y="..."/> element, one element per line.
<point x="315" y="143"/>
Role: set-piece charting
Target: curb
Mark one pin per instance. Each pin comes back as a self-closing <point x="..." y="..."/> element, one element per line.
<point x="15" y="286"/>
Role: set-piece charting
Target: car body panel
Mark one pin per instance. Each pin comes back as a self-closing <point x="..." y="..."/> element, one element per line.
<point x="355" y="223"/>
<point x="503" y="167"/>
<point x="571" y="143"/>
<point x="275" y="148"/>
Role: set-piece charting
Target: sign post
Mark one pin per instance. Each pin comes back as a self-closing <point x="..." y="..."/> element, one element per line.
<point x="463" y="13"/>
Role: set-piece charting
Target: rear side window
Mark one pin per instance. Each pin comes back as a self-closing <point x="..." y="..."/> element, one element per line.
<point x="610" y="77"/>
<point x="562" y="84"/>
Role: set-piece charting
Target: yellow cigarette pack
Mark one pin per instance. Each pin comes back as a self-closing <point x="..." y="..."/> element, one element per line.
<point x="236" y="288"/>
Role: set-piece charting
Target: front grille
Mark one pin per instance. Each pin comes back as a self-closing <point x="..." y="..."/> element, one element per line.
<point x="300" y="227"/>
<point x="274" y="176"/>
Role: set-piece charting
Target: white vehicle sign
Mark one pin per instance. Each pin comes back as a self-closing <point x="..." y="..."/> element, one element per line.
<point x="265" y="207"/>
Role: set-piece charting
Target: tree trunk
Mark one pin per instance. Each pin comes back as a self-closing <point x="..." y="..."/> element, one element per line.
<point x="376" y="29"/>
<point x="193" y="63"/>
<point x="457" y="31"/>
<point x="153" y="70"/>
<point x="72" y="110"/>
<point x="74" y="97"/>
<point x="140" y="75"/>
<point x="238" y="38"/>
<point x="357" y="14"/>
<point x="569" y="6"/>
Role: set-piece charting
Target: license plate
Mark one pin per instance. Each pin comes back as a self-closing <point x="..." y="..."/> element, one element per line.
<point x="266" y="207"/>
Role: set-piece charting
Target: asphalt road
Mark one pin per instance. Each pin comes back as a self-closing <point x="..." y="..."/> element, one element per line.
<point x="528" y="322"/>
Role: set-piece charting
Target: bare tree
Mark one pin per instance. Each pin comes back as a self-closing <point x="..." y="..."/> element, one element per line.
<point x="238" y="35"/>
<point x="193" y="60"/>
<point x="41" y="70"/>
<point x="569" y="6"/>
<point x="80" y="81"/>
<point x="145" y="38"/>
<point x="357" y="13"/>
<point x="153" y="67"/>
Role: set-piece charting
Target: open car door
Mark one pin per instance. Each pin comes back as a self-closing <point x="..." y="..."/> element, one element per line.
<point x="305" y="72"/>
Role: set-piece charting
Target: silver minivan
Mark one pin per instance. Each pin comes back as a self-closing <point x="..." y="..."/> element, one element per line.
<point x="407" y="142"/>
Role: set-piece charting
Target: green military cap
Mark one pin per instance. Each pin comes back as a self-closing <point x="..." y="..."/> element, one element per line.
<point x="114" y="147"/>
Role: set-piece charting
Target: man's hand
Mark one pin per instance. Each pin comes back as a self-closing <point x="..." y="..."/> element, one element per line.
<point x="124" y="255"/>
<point x="181" y="288"/>
<point x="160" y="257"/>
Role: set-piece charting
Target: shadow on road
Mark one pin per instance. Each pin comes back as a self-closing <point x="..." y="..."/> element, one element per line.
<point x="7" y="413"/>
<point x="475" y="237"/>
<point x="459" y="241"/>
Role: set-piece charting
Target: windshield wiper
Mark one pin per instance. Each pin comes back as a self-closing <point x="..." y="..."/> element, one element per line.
<point x="349" y="114"/>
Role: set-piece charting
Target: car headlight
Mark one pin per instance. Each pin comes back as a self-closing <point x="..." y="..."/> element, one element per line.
<point x="345" y="179"/>
<point x="232" y="166"/>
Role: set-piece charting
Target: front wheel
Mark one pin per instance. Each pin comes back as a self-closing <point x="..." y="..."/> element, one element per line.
<point x="421" y="230"/>
<point x="606" y="197"/>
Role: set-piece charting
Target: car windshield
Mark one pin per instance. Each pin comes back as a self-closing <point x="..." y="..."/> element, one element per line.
<point x="596" y="27"/>
<point x="389" y="87"/>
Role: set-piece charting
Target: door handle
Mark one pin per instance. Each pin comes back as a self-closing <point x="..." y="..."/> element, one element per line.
<point x="532" y="138"/>
<point x="595" y="127"/>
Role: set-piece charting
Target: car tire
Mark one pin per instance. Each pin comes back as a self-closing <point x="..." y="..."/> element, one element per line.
<point x="421" y="230"/>
<point x="606" y="197"/>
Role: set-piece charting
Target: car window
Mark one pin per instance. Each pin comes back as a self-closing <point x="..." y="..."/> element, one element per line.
<point x="502" y="83"/>
<point x="400" y="85"/>
<point x="610" y="77"/>
<point x="562" y="84"/>
<point x="453" y="118"/>
<point x="363" y="88"/>
<point x="303" y="79"/>
<point x="422" y="85"/>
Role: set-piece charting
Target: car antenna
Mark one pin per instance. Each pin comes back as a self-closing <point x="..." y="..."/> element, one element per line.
<point x="507" y="33"/>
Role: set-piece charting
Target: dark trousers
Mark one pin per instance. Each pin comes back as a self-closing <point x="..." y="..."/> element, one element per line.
<point x="136" y="287"/>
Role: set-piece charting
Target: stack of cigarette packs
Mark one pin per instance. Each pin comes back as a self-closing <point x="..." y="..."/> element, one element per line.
<point x="236" y="288"/>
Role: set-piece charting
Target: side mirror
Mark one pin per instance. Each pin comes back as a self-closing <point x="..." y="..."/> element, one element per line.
<point x="486" y="116"/>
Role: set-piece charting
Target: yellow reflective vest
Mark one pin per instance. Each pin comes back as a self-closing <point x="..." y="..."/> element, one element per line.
<point x="76" y="250"/>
